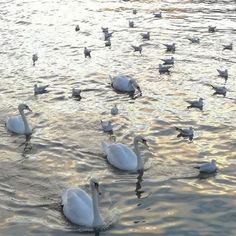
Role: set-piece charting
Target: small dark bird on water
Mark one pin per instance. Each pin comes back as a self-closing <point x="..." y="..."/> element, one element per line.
<point x="219" y="90"/>
<point x="185" y="133"/>
<point x="146" y="35"/>
<point x="134" y="11"/>
<point x="35" y="58"/>
<point x="87" y="52"/>
<point x="157" y="15"/>
<point x="228" y="46"/>
<point x="196" y="104"/>
<point x="223" y="73"/>
<point x="137" y="48"/>
<point x="211" y="29"/>
<point x="131" y="24"/>
<point x="170" y="47"/>
<point x="77" y="28"/>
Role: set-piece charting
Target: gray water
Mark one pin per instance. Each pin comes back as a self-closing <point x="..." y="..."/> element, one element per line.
<point x="170" y="198"/>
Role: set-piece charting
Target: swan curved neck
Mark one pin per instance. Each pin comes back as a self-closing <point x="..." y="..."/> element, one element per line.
<point x="97" y="218"/>
<point x="139" y="159"/>
<point x="26" y="125"/>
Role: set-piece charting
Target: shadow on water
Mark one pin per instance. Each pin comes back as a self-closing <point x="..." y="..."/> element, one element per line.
<point x="27" y="145"/>
<point x="199" y="176"/>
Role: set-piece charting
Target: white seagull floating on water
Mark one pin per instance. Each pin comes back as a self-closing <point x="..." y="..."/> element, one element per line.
<point x="40" y="89"/>
<point x="185" y="133"/>
<point x="207" y="167"/>
<point x="196" y="103"/>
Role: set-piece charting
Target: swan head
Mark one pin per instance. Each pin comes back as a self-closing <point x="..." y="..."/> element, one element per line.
<point x="95" y="185"/>
<point x="141" y="139"/>
<point x="23" y="106"/>
<point x="135" y="85"/>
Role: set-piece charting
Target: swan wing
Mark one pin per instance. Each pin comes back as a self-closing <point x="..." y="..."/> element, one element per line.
<point x="77" y="206"/>
<point x="121" y="83"/>
<point x="122" y="157"/>
<point x="15" y="124"/>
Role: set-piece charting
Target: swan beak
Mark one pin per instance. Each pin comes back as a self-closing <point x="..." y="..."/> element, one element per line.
<point x="145" y="143"/>
<point x="29" y="109"/>
<point x="97" y="189"/>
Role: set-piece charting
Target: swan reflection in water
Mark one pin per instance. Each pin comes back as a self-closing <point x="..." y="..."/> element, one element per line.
<point x="27" y="145"/>
<point x="138" y="189"/>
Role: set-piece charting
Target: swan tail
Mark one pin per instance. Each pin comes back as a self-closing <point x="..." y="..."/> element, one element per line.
<point x="104" y="147"/>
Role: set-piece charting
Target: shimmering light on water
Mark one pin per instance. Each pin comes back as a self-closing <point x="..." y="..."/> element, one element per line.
<point x="170" y="198"/>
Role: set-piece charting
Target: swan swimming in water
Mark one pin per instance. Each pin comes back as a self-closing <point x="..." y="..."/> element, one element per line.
<point x="123" y="157"/>
<point x="82" y="209"/>
<point x="19" y="124"/>
<point x="124" y="84"/>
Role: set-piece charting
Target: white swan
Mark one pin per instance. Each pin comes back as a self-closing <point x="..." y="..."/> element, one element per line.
<point x="209" y="167"/>
<point x="124" y="158"/>
<point x="124" y="84"/>
<point x="19" y="124"/>
<point x="80" y="208"/>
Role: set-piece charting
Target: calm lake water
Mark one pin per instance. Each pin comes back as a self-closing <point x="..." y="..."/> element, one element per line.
<point x="170" y="198"/>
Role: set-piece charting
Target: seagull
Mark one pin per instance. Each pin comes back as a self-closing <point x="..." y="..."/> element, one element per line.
<point x="209" y="167"/>
<point x="87" y="52"/>
<point x="137" y="48"/>
<point x="35" y="58"/>
<point x="211" y="29"/>
<point x="77" y="28"/>
<point x="108" y="43"/>
<point x="157" y="15"/>
<point x="104" y="30"/>
<point x="107" y="126"/>
<point x="223" y="73"/>
<point x="164" y="69"/>
<point x="221" y="90"/>
<point x="185" y="133"/>
<point x="131" y="24"/>
<point x="134" y="11"/>
<point x="228" y="46"/>
<point x="76" y="93"/>
<point x="107" y="35"/>
<point x="194" y="40"/>
<point x="40" y="89"/>
<point x="170" y="47"/>
<point x="114" y="110"/>
<point x="146" y="35"/>
<point x="168" y="61"/>
<point x="196" y="103"/>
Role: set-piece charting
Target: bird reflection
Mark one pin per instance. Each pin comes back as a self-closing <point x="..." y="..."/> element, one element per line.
<point x="26" y="144"/>
<point x="200" y="176"/>
<point x="96" y="232"/>
<point x="138" y="188"/>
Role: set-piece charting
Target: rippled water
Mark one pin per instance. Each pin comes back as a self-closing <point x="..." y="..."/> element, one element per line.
<point x="170" y="198"/>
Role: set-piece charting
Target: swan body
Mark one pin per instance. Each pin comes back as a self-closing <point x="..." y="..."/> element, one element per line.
<point x="170" y="47"/>
<point x="228" y="46"/>
<point x="87" y="52"/>
<point x="18" y="124"/>
<point x="76" y="93"/>
<point x="223" y="73"/>
<point x="124" y="84"/>
<point x="122" y="157"/>
<point x="82" y="209"/>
